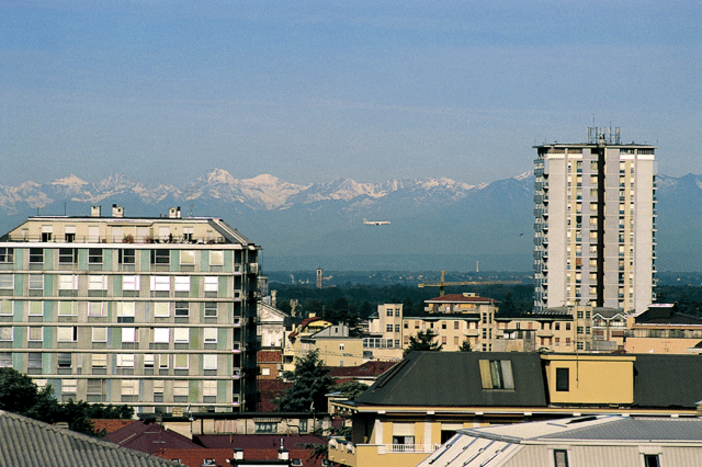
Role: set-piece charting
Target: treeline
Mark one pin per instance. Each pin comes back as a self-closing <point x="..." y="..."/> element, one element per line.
<point x="353" y="303"/>
<point x="356" y="302"/>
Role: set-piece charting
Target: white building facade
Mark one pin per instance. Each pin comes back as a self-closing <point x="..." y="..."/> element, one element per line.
<point x="595" y="223"/>
<point x="157" y="313"/>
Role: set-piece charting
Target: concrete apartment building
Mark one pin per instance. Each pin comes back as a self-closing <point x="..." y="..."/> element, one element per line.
<point x="595" y="223"/>
<point x="158" y="312"/>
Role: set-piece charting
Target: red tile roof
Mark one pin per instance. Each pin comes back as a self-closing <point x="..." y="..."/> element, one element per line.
<point x="110" y="424"/>
<point x="368" y="369"/>
<point x="148" y="438"/>
<point x="257" y="442"/>
<point x="269" y="389"/>
<point x="196" y="457"/>
<point x="305" y="322"/>
<point x="460" y="298"/>
<point x="269" y="356"/>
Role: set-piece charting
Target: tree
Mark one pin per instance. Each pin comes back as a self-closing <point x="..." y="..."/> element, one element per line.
<point x="20" y="395"/>
<point x="310" y="383"/>
<point x="423" y="342"/>
<point x="465" y="346"/>
<point x="351" y="389"/>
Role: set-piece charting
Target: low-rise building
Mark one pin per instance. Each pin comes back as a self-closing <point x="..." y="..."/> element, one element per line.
<point x="662" y="329"/>
<point x="425" y="399"/>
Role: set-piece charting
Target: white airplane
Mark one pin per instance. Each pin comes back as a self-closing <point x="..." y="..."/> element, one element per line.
<point x="367" y="222"/>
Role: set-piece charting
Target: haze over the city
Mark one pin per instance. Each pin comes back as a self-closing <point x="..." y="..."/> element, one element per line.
<point x="310" y="91"/>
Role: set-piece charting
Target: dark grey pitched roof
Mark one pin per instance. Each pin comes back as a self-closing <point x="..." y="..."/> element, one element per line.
<point x="24" y="442"/>
<point x="667" y="380"/>
<point x="453" y="379"/>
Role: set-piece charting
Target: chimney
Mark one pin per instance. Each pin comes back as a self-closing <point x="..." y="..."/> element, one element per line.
<point x="95" y="211"/>
<point x="283" y="453"/>
<point x="117" y="211"/>
<point x="174" y="213"/>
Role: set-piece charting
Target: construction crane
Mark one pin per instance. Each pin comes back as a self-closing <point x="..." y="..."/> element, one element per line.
<point x="443" y="283"/>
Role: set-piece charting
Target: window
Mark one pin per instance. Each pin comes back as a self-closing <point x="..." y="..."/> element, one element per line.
<point x="69" y="386"/>
<point x="163" y="361"/>
<point x="210" y="335"/>
<point x="160" y="283"/>
<point x="266" y="427"/>
<point x="95" y="255"/>
<point x="162" y="309"/>
<point x="187" y="257"/>
<point x="210" y="310"/>
<point x="130" y="283"/>
<point x="496" y="374"/>
<point x="67" y="309"/>
<point x="216" y="258"/>
<point x="6" y="333"/>
<point x="126" y="311"/>
<point x="209" y="388"/>
<point x="97" y="282"/>
<point x="7" y="281"/>
<point x="6" y="307"/>
<point x="7" y="255"/>
<point x="181" y="361"/>
<point x="35" y="334"/>
<point x="456" y="325"/>
<point x="651" y="460"/>
<point x="562" y="379"/>
<point x="149" y="360"/>
<point x="99" y="334"/>
<point x="388" y="327"/>
<point x="36" y="255"/>
<point x="162" y="335"/>
<point x="96" y="309"/>
<point x="182" y="309"/>
<point x="5" y="360"/>
<point x="128" y="335"/>
<point x="130" y="387"/>
<point x="35" y="308"/>
<point x="560" y="458"/>
<point x="211" y="284"/>
<point x="64" y="360"/>
<point x="161" y="257"/>
<point x="341" y="346"/>
<point x="389" y="312"/>
<point x="68" y="255"/>
<point x="68" y="282"/>
<point x="209" y="362"/>
<point x="127" y="256"/>
<point x="125" y="360"/>
<point x="557" y="326"/>
<point x="182" y="283"/>
<point x="67" y="334"/>
<point x="180" y="388"/>
<point x="36" y="282"/>
<point x="181" y="335"/>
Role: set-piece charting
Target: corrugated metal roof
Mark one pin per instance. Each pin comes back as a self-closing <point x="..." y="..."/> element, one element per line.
<point x="603" y="440"/>
<point x="26" y="442"/>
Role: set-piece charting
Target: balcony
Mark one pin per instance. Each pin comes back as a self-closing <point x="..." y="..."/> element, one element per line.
<point x="346" y="453"/>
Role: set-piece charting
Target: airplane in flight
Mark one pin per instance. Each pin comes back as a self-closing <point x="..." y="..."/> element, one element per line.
<point x="367" y="222"/>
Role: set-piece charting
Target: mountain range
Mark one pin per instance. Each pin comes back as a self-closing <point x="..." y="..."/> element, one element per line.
<point x="435" y="223"/>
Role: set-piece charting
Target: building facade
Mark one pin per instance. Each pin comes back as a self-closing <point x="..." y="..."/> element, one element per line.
<point x="158" y="313"/>
<point x="595" y="223"/>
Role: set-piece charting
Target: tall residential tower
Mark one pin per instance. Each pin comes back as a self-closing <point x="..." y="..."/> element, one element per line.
<point x="595" y="223"/>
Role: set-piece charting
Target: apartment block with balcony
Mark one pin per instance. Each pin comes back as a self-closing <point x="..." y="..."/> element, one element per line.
<point x="595" y="223"/>
<point x="158" y="313"/>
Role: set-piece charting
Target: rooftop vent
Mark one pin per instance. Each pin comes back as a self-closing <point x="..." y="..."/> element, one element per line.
<point x="117" y="211"/>
<point x="95" y="211"/>
<point x="174" y="213"/>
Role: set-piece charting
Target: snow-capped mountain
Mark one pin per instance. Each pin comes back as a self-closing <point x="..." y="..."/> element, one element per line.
<point x="439" y="220"/>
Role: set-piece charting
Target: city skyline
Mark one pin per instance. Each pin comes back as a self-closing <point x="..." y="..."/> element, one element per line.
<point x="312" y="91"/>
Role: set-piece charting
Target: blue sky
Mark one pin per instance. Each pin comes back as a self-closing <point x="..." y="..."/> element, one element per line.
<point x="163" y="91"/>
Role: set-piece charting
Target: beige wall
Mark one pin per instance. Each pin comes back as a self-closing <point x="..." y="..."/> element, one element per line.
<point x="659" y="345"/>
<point x="592" y="379"/>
